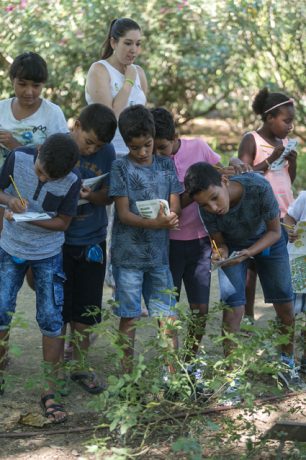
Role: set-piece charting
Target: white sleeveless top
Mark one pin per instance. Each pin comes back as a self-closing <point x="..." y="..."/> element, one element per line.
<point x="137" y="96"/>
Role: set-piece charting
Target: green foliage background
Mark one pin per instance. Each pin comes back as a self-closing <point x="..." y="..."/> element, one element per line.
<point x="199" y="56"/>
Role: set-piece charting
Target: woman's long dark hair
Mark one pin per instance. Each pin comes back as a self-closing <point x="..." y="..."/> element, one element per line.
<point x="117" y="29"/>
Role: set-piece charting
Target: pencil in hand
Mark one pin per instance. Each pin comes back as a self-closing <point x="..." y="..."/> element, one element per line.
<point x="216" y="248"/>
<point x="291" y="227"/>
<point x="17" y="191"/>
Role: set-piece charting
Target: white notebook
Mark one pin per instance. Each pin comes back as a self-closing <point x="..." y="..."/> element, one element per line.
<point x="30" y="216"/>
<point x="149" y="209"/>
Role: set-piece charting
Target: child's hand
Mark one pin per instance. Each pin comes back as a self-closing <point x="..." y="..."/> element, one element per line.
<point x="243" y="255"/>
<point x="291" y="157"/>
<point x="238" y="166"/>
<point x="162" y="221"/>
<point x="221" y="251"/>
<point x="8" y="215"/>
<point x="85" y="192"/>
<point x="292" y="234"/>
<point x="8" y="140"/>
<point x="15" y="204"/>
<point x="276" y="153"/>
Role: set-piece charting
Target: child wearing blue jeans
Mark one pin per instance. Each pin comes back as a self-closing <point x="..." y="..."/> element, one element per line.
<point x="140" y="246"/>
<point x="46" y="184"/>
<point x="241" y="214"/>
<point x="297" y="213"/>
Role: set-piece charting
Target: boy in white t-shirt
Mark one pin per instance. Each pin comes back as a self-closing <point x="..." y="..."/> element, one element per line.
<point x="28" y="119"/>
<point x="297" y="213"/>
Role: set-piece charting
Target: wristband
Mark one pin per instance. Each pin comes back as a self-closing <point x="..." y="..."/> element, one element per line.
<point x="268" y="164"/>
<point x="131" y="82"/>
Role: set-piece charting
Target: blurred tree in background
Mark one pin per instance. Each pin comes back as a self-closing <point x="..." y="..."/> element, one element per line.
<point x="199" y="56"/>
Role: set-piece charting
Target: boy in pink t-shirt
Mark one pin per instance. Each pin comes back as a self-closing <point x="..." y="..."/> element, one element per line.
<point x="190" y="248"/>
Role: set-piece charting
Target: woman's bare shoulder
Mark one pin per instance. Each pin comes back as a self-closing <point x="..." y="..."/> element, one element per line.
<point x="98" y="68"/>
<point x="143" y="78"/>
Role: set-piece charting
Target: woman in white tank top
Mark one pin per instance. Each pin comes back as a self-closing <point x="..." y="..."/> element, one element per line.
<point x="115" y="80"/>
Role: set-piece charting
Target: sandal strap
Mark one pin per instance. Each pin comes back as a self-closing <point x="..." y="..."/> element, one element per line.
<point x="80" y="375"/>
<point x="47" y="397"/>
<point x="54" y="408"/>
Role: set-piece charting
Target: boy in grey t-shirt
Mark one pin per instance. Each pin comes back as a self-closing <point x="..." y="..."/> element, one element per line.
<point x="43" y="182"/>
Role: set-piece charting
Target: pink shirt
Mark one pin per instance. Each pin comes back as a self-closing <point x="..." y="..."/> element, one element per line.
<point x="280" y="180"/>
<point x="191" y="151"/>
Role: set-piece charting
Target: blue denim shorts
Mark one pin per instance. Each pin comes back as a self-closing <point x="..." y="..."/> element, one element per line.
<point x="49" y="286"/>
<point x="274" y="273"/>
<point x="152" y="284"/>
<point x="190" y="262"/>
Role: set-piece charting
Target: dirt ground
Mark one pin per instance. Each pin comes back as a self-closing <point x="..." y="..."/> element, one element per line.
<point x="22" y="395"/>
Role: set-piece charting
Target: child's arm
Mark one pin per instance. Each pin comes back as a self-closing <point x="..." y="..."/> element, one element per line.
<point x="129" y="218"/>
<point x="6" y="174"/>
<point x="291" y="158"/>
<point x="290" y="223"/>
<point x="98" y="197"/>
<point x="12" y="202"/>
<point x="7" y="139"/>
<point x="247" y="149"/>
<point x="272" y="235"/>
<point x="60" y="223"/>
<point x="247" y="153"/>
<point x="175" y="204"/>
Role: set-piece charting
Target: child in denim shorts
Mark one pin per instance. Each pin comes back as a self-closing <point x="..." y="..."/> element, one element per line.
<point x="140" y="246"/>
<point x="190" y="248"/>
<point x="241" y="214"/>
<point x="43" y="182"/>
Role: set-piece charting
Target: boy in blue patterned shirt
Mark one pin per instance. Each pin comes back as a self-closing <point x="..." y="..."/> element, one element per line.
<point x="140" y="246"/>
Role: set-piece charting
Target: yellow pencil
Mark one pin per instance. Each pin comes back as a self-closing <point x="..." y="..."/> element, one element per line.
<point x="17" y="191"/>
<point x="287" y="226"/>
<point x="216" y="248"/>
<point x="268" y="146"/>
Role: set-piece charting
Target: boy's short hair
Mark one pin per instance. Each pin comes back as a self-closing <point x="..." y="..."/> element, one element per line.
<point x="29" y="66"/>
<point x="200" y="176"/>
<point x="58" y="155"/>
<point x="99" y="119"/>
<point x="164" y="124"/>
<point x="136" y="121"/>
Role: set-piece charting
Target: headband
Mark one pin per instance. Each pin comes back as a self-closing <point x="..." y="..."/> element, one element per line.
<point x="289" y="101"/>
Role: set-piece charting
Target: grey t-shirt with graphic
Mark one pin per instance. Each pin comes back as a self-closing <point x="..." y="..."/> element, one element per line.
<point x="246" y="221"/>
<point x="134" y="247"/>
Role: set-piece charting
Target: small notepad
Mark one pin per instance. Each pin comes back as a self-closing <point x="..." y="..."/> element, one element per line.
<point x="30" y="216"/>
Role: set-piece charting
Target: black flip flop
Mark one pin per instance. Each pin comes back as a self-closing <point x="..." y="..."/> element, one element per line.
<point x="80" y="378"/>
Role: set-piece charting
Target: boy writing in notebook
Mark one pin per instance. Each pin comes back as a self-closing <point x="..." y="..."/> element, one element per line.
<point x="241" y="214"/>
<point x="46" y="183"/>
